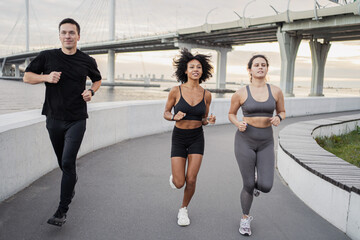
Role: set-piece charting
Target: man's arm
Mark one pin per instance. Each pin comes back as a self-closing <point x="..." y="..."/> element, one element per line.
<point x="87" y="94"/>
<point x="33" y="78"/>
<point x="96" y="85"/>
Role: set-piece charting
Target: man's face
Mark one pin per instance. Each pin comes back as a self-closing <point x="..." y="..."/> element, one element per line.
<point x="69" y="36"/>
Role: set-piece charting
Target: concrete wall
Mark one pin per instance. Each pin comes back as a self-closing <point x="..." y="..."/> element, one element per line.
<point x="317" y="105"/>
<point x="338" y="206"/>
<point x="314" y="190"/>
<point x="26" y="153"/>
<point x="335" y="129"/>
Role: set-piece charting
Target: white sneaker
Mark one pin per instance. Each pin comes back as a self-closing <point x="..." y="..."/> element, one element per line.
<point x="172" y="185"/>
<point x="183" y="218"/>
<point x="245" y="226"/>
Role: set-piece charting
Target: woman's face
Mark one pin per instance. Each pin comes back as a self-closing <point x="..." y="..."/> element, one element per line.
<point x="259" y="68"/>
<point x="194" y="70"/>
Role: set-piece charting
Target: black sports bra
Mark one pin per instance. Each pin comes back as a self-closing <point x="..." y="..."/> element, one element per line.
<point x="196" y="112"/>
<point x="253" y="108"/>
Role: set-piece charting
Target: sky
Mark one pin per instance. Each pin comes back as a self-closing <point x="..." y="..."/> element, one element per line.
<point x="149" y="17"/>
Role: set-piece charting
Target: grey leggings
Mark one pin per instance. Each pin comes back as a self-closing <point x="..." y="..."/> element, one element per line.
<point x="254" y="149"/>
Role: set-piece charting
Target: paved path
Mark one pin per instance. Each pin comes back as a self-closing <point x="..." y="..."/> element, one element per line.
<point x="123" y="193"/>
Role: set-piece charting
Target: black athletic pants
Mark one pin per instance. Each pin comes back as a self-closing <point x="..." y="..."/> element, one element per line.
<point x="66" y="138"/>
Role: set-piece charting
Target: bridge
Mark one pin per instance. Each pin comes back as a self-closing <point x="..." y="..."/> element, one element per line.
<point x="320" y="26"/>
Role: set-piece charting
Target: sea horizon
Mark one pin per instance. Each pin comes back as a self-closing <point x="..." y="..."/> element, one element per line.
<point x="17" y="96"/>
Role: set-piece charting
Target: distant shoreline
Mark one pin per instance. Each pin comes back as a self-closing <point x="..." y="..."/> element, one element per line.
<point x="17" y="96"/>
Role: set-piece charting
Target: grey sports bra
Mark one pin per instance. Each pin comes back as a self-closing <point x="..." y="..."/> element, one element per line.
<point x="253" y="108"/>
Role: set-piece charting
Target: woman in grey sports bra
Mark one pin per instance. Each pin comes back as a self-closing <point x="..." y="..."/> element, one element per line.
<point x="254" y="143"/>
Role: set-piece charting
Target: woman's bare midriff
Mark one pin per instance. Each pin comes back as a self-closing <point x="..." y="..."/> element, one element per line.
<point x="259" y="122"/>
<point x="188" y="124"/>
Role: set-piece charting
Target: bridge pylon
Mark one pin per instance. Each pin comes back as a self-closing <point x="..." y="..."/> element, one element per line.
<point x="289" y="46"/>
<point x="319" y="52"/>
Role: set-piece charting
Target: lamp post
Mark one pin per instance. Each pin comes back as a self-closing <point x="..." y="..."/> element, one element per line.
<point x="27" y="25"/>
<point x="315" y="10"/>
<point x="207" y="15"/>
<point x="287" y="11"/>
<point x="244" y="26"/>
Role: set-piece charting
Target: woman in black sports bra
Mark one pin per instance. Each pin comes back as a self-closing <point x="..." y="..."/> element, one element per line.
<point x="191" y="107"/>
<point x="254" y="143"/>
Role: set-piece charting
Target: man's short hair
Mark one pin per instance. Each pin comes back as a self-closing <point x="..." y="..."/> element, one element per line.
<point x="71" y="21"/>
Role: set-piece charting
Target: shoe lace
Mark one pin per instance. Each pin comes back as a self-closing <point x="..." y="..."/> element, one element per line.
<point x="245" y="223"/>
<point x="183" y="213"/>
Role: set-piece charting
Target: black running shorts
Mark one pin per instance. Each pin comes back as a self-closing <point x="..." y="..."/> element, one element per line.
<point x="187" y="141"/>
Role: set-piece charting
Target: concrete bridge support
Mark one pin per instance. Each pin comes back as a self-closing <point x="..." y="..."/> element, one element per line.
<point x="7" y="70"/>
<point x="319" y="52"/>
<point x="221" y="68"/>
<point x="289" y="46"/>
<point x="111" y="66"/>
<point x="2" y="65"/>
<point x="27" y="62"/>
<point x="17" y="70"/>
<point x="111" y="52"/>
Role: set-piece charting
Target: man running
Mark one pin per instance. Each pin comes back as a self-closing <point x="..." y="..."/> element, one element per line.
<point x="64" y="72"/>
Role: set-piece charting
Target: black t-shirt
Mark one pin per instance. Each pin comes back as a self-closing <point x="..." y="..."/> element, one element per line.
<point x="63" y="100"/>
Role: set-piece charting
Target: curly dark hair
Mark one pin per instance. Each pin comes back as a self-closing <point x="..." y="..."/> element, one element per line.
<point x="181" y="61"/>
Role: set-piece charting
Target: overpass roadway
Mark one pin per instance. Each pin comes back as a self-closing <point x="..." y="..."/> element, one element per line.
<point x="341" y="23"/>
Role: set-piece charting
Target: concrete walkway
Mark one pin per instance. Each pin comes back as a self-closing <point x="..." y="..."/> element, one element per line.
<point x="123" y="193"/>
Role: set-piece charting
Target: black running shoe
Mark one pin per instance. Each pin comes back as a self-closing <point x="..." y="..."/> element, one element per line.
<point x="58" y="219"/>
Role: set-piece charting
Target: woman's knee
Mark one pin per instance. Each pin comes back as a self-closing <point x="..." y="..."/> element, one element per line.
<point x="249" y="188"/>
<point x="178" y="182"/>
<point x="249" y="185"/>
<point x="190" y="181"/>
<point x="265" y="188"/>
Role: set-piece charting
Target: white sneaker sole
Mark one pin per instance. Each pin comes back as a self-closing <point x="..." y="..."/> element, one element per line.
<point x="244" y="233"/>
<point x="172" y="185"/>
<point x="183" y="224"/>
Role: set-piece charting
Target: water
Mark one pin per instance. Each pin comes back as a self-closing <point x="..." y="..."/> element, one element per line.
<point x="17" y="96"/>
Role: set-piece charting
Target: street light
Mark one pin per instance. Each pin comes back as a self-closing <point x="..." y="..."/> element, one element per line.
<point x="245" y="10"/>
<point x="316" y="5"/>
<point x="287" y="11"/>
<point x="206" y="18"/>
<point x="207" y="15"/>
<point x="276" y="11"/>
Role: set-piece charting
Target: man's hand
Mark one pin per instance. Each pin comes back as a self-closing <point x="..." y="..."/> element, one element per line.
<point x="53" y="77"/>
<point x="86" y="95"/>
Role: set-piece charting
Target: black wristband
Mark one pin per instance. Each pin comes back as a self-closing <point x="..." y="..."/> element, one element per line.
<point x="92" y="92"/>
<point x="172" y="117"/>
<point x="278" y="115"/>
